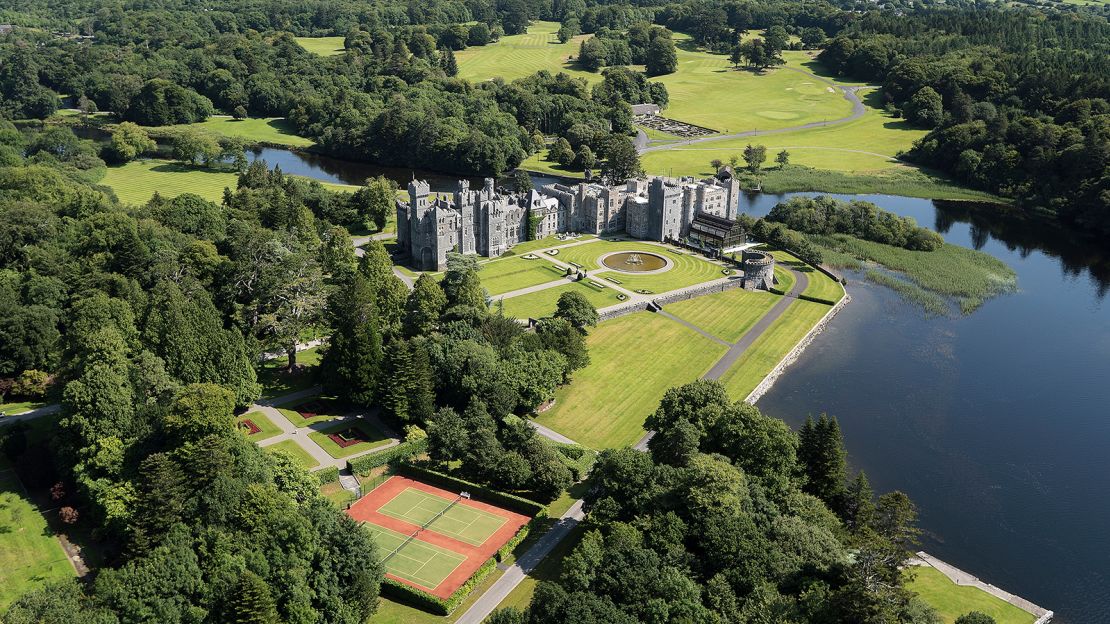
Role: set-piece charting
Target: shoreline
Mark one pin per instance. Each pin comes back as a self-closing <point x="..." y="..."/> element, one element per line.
<point x="964" y="579"/>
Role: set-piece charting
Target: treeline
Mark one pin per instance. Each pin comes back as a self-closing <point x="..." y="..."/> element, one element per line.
<point x="731" y="517"/>
<point x="151" y="321"/>
<point x="1016" y="100"/>
<point x="827" y="215"/>
<point x="641" y="44"/>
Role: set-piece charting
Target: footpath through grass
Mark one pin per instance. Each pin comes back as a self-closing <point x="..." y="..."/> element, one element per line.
<point x="634" y="359"/>
<point x="820" y="285"/>
<point x="773" y="345"/>
<point x="727" y="315"/>
<point x="30" y="554"/>
<point x="951" y="600"/>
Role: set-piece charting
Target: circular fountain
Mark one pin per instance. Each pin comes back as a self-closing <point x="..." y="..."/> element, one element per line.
<point x="635" y="262"/>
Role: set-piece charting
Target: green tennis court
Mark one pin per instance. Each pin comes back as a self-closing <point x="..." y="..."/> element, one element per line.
<point x="466" y="524"/>
<point x="417" y="561"/>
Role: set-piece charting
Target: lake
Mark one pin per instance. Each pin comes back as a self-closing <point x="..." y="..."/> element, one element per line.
<point x="997" y="424"/>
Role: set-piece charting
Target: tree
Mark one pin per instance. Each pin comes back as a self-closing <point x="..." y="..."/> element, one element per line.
<point x="622" y="163"/>
<point x="374" y="202"/>
<point x="87" y="107"/>
<point x="478" y="35"/>
<point x="591" y="54"/>
<point x="895" y="516"/>
<point x="514" y="16"/>
<point x="448" y="63"/>
<point x="859" y="504"/>
<point x="823" y="458"/>
<point x="13" y="440"/>
<point x="129" y="141"/>
<point x="239" y="113"/>
<point x="200" y="410"/>
<point x="461" y="283"/>
<point x="755" y="156"/>
<point x="584" y="158"/>
<point x="522" y="181"/>
<point x="975" y="617"/>
<point x="448" y="438"/>
<point x="252" y="602"/>
<point x="569" y="29"/>
<point x="661" y="57"/>
<point x="783" y="159"/>
<point x="576" y="309"/>
<point x="424" y="307"/>
<point x="351" y="364"/>
<point x="559" y="334"/>
<point x="163" y="103"/>
<point x="68" y="515"/>
<point x="190" y="146"/>
<point x="561" y="152"/>
<point x="925" y="108"/>
<point x="716" y="164"/>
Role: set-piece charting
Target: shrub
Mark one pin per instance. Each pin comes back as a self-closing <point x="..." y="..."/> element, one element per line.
<point x="327" y="475"/>
<point x="32" y="384"/>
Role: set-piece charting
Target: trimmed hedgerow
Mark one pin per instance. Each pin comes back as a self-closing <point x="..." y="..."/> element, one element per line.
<point x="363" y="464"/>
<point x="576" y="457"/>
<point x="511" y="545"/>
<point x="327" y="475"/>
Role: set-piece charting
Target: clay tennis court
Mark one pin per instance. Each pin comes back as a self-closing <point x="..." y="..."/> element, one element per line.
<point x="450" y="536"/>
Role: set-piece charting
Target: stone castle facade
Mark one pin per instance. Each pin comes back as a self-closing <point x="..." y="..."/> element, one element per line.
<point x="490" y="221"/>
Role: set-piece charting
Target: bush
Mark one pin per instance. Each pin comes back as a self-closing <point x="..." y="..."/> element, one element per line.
<point x="32" y="384"/>
<point x="327" y="475"/>
<point x="363" y="464"/>
<point x="480" y="492"/>
<point x="511" y="545"/>
<point x="578" y="458"/>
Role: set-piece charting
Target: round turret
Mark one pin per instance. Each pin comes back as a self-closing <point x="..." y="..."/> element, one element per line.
<point x="759" y="270"/>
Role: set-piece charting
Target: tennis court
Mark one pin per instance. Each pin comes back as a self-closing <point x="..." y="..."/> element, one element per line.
<point x="418" y="561"/>
<point x="463" y="523"/>
<point x="432" y="538"/>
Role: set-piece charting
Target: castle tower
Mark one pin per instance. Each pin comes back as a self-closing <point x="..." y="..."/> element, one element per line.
<point x="423" y="243"/>
<point x="759" y="270"/>
<point x="464" y="203"/>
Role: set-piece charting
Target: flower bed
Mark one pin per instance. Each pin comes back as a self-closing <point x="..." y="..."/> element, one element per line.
<point x="348" y="437"/>
<point x="249" y="426"/>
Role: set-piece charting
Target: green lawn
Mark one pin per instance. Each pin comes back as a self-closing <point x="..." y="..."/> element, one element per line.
<point x="587" y="255"/>
<point x="274" y="130"/>
<point x="335" y="493"/>
<point x="30" y="555"/>
<point x="820" y="285"/>
<point x="727" y="315"/>
<point x="294" y="450"/>
<point x="951" y="600"/>
<point x="542" y="303"/>
<point x="686" y="271"/>
<point x="325" y="410"/>
<point x="373" y="437"/>
<point x="517" y="56"/>
<point x="546" y="243"/>
<point x="276" y="380"/>
<point x="502" y="276"/>
<point x="769" y="349"/>
<point x="634" y="359"/>
<point x="18" y="407"/>
<point x="137" y="181"/>
<point x="784" y="280"/>
<point x="539" y="163"/>
<point x="267" y="427"/>
<point x="324" y="46"/>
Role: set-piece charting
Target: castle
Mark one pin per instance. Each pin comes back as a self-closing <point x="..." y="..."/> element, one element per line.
<point x="490" y="221"/>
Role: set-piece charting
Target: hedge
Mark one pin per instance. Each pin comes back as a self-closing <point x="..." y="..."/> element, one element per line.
<point x="817" y="299"/>
<point x="420" y="599"/>
<point x="576" y="457"/>
<point x="327" y="475"/>
<point x="511" y="545"/>
<point x="363" y="464"/>
<point x="481" y="492"/>
<point x="776" y="291"/>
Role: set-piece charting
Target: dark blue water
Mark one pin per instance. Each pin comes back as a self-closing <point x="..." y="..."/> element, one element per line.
<point x="997" y="424"/>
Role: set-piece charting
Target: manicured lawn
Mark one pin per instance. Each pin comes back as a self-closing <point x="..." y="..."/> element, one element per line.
<point x="275" y="130"/>
<point x="727" y="315"/>
<point x="539" y="163"/>
<point x="137" y="181"/>
<point x="324" y="410"/>
<point x="513" y="273"/>
<point x="517" y="56"/>
<point x="335" y="493"/>
<point x="634" y="359"/>
<point x="324" y="46"/>
<point x="587" y="255"/>
<point x="547" y="243"/>
<point x="18" y="407"/>
<point x="784" y="279"/>
<point x="373" y="438"/>
<point x="267" y="428"/>
<point x="767" y="350"/>
<point x="687" y="271"/>
<point x="30" y="555"/>
<point x="276" y="380"/>
<point x="542" y="303"/>
<point x="294" y="450"/>
<point x="951" y="600"/>
<point x="820" y="285"/>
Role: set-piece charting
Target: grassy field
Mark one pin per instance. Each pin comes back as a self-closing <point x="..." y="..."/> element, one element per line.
<point x="727" y="315"/>
<point x="542" y="303"/>
<point x="966" y="275"/>
<point x="517" y="56"/>
<point x="546" y="243"/>
<point x="365" y="430"/>
<point x="294" y="450"/>
<point x="18" y="407"/>
<point x="634" y="359"/>
<point x="587" y="255"/>
<point x="951" y="600"/>
<point x="784" y="280"/>
<point x="390" y="612"/>
<point x="324" y="46"/>
<point x="767" y="350"/>
<point x="820" y="285"/>
<point x="687" y="270"/>
<point x="514" y="273"/>
<point x="274" y="130"/>
<point x="137" y="181"/>
<point x="267" y="427"/>
<point x="276" y="380"/>
<point x="897" y="180"/>
<point x="30" y="555"/>
<point x="335" y="493"/>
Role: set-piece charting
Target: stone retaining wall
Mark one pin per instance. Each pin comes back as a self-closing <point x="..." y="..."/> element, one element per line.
<point x="792" y="356"/>
<point x="959" y="577"/>
<point x="715" y="286"/>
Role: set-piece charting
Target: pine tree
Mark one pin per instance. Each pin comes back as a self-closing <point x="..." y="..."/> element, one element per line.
<point x="252" y="602"/>
<point x="422" y="395"/>
<point x="352" y="362"/>
<point x="398" y="365"/>
<point x="859" y="504"/>
<point x="448" y="62"/>
<point x="821" y="453"/>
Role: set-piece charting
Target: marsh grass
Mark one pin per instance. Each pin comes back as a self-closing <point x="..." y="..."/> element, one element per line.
<point x="931" y="302"/>
<point x="969" y="277"/>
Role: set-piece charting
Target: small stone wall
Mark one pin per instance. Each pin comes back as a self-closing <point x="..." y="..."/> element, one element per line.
<point x="672" y="297"/>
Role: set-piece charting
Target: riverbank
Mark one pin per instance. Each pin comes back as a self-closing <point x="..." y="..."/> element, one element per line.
<point x="951" y="602"/>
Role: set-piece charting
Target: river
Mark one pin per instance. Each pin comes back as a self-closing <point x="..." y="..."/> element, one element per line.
<point x="997" y="424"/>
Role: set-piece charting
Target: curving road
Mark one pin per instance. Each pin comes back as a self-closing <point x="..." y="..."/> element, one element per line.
<point x="858" y="110"/>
